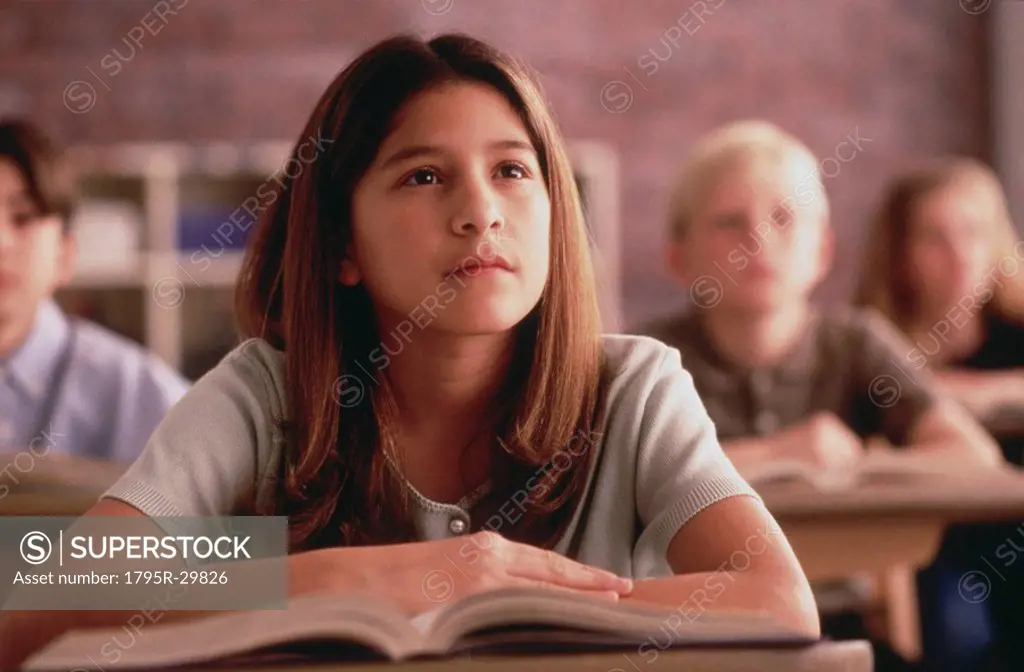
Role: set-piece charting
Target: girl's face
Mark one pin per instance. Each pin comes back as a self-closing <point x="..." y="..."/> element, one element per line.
<point x="949" y="247"/>
<point x="451" y="223"/>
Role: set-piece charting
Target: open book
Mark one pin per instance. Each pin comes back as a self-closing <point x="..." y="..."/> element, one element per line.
<point x="876" y="467"/>
<point x="333" y="628"/>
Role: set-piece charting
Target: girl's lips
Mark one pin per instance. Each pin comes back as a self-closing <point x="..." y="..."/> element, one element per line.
<point x="473" y="270"/>
<point x="475" y="266"/>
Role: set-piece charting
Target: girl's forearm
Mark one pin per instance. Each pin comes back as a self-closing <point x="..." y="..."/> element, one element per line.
<point x="692" y="595"/>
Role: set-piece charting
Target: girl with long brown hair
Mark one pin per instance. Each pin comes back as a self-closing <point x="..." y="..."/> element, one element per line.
<point x="423" y="361"/>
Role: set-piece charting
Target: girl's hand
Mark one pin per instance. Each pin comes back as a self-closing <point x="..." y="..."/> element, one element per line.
<point x="423" y="575"/>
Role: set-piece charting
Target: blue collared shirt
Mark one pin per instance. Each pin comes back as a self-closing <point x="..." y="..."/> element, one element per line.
<point x="74" y="387"/>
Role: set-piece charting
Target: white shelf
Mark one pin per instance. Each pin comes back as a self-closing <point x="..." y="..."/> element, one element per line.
<point x="149" y="269"/>
<point x="114" y="278"/>
<point x="1006" y="22"/>
<point x="165" y="176"/>
<point x="169" y="158"/>
<point x="209" y="272"/>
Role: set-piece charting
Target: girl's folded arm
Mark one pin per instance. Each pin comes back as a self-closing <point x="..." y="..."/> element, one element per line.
<point x="732" y="556"/>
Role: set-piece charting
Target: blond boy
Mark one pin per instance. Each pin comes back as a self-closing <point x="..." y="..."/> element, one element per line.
<point x="751" y="240"/>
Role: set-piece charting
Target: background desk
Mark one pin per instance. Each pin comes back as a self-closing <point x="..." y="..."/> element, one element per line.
<point x="824" y="657"/>
<point x="52" y="484"/>
<point x="889" y="530"/>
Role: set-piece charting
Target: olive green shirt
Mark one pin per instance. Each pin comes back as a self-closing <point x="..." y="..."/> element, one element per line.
<point x="850" y="362"/>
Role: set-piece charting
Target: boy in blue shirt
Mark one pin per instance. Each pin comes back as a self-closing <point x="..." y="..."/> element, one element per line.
<point x="66" y="385"/>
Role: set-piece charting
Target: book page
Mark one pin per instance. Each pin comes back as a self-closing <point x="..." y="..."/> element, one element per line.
<point x="888" y="465"/>
<point x="912" y="468"/>
<point x="426" y="622"/>
<point x="584" y="619"/>
<point x="236" y="633"/>
<point x="884" y="463"/>
<point x="773" y="470"/>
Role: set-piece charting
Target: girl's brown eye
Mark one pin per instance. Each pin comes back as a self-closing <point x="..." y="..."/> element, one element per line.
<point x="421" y="177"/>
<point x="513" y="170"/>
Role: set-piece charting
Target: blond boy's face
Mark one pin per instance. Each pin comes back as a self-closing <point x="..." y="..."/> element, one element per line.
<point x="759" y="240"/>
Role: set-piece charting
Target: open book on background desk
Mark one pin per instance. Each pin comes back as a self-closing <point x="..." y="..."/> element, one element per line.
<point x="333" y="628"/>
<point x="879" y="466"/>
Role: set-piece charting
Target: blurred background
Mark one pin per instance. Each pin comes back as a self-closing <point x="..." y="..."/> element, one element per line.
<point x="178" y="111"/>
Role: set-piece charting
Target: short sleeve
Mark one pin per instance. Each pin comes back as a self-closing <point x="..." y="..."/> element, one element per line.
<point x="208" y="455"/>
<point x="896" y="382"/>
<point x="681" y="467"/>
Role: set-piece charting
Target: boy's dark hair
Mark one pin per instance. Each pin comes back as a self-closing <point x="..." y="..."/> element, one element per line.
<point x="39" y="161"/>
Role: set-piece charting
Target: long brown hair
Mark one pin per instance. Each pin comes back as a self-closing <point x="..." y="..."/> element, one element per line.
<point x="885" y="284"/>
<point x="335" y="483"/>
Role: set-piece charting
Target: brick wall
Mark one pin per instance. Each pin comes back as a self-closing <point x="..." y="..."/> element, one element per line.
<point x="910" y="76"/>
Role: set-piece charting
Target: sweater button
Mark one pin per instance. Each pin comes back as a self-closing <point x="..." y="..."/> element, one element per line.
<point x="457" y="526"/>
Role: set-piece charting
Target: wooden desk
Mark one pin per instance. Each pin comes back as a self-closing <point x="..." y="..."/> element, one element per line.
<point x="1005" y="423"/>
<point x="53" y="484"/>
<point x="890" y="531"/>
<point x="64" y="501"/>
<point x="823" y="657"/>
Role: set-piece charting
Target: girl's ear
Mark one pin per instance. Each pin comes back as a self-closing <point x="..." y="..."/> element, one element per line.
<point x="349" y="274"/>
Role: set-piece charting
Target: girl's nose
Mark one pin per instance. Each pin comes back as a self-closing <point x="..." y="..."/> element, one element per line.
<point x="478" y="211"/>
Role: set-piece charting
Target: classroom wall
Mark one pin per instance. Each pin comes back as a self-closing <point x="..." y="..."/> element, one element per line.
<point x="907" y="77"/>
<point x="1007" y="58"/>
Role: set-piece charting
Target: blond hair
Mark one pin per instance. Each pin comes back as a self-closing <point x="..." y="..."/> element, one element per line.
<point x="883" y="284"/>
<point x="738" y="145"/>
